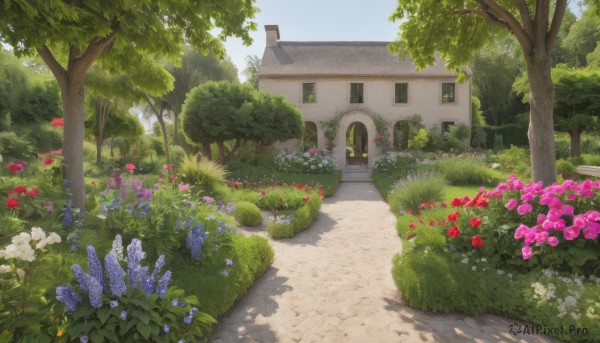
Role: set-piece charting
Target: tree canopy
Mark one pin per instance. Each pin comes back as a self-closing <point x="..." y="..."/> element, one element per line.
<point x="219" y="111"/>
<point x="71" y="36"/>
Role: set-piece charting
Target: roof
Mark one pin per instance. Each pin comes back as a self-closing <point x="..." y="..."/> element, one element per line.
<point x="340" y="59"/>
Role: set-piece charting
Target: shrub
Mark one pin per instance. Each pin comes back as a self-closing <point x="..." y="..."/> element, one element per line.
<point x="202" y="172"/>
<point x="177" y="154"/>
<point x="514" y="160"/>
<point x="247" y="213"/>
<point x="394" y="160"/>
<point x="409" y="193"/>
<point x="43" y="136"/>
<point x="151" y="165"/>
<point x="465" y="171"/>
<point x="308" y="162"/>
<point x="565" y="168"/>
<point x="287" y="226"/>
<point x="419" y="141"/>
<point x="15" y="147"/>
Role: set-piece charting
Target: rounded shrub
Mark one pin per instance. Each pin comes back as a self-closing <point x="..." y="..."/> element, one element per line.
<point x="409" y="193"/>
<point x="247" y="213"/>
<point x="565" y="168"/>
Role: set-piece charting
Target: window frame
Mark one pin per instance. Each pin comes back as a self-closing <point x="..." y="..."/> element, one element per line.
<point x="395" y="98"/>
<point x="314" y="93"/>
<point x="362" y="95"/>
<point x="453" y="93"/>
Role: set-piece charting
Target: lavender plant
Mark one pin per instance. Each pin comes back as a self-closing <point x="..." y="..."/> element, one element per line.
<point x="112" y="304"/>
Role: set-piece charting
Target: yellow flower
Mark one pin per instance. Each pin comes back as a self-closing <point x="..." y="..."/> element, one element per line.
<point x="60" y="333"/>
<point x="5" y="332"/>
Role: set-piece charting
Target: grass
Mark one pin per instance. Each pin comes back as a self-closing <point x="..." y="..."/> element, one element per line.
<point x="385" y="180"/>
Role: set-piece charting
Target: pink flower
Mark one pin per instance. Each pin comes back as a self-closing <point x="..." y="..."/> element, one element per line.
<point x="530" y="236"/>
<point x="590" y="233"/>
<point x="511" y="204"/>
<point x="559" y="225"/>
<point x="312" y="151"/>
<point x="520" y="232"/>
<point x="554" y="214"/>
<point x="568" y="210"/>
<point x="168" y="167"/>
<point x="524" y="208"/>
<point x="183" y="187"/>
<point x="527" y="197"/>
<point x="541" y="237"/>
<point x="547" y="225"/>
<point x="208" y="199"/>
<point x="572" y="197"/>
<point x="130" y="167"/>
<point x="553" y="241"/>
<point x="571" y="233"/>
<point x="526" y="252"/>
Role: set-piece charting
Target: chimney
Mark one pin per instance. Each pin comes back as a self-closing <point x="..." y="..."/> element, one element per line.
<point x="272" y="34"/>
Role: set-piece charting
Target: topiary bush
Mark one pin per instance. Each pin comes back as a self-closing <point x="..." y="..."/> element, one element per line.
<point x="410" y="192"/>
<point x="247" y="213"/>
<point x="287" y="226"/>
<point x="565" y="168"/>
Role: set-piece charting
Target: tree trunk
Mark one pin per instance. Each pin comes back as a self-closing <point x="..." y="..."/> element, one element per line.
<point x="221" y="146"/>
<point x="206" y="150"/>
<point x="99" y="143"/>
<point x="175" y="128"/>
<point x="541" y="124"/>
<point x="165" y="133"/>
<point x="112" y="146"/>
<point x="575" y="142"/>
<point x="73" y="99"/>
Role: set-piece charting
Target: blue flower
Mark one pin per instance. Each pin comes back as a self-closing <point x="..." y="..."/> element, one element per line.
<point x="166" y="328"/>
<point x="68" y="218"/>
<point x="114" y="204"/>
<point x="163" y="286"/>
<point x="114" y="304"/>
<point x="189" y="222"/>
<point x="160" y="262"/>
<point x="194" y="241"/>
<point x="187" y="320"/>
<point x="123" y="315"/>
<point x="148" y="285"/>
<point x="94" y="267"/>
<point x="135" y="255"/>
<point x="452" y="248"/>
<point x="116" y="275"/>
<point x="225" y="273"/>
<point x="175" y="302"/>
<point x="78" y="272"/>
<point x="228" y="262"/>
<point x="181" y="341"/>
<point x="94" y="291"/>
<point x="67" y="295"/>
<point x="83" y="339"/>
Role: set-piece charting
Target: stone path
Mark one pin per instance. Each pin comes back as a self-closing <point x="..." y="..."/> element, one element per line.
<point x="332" y="283"/>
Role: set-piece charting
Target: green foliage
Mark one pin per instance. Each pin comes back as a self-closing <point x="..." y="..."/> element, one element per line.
<point x="300" y="219"/>
<point x="409" y="193"/>
<point x="13" y="146"/>
<point x="177" y="154"/>
<point x="419" y="140"/>
<point x="582" y="39"/>
<point x="330" y="128"/>
<point x="247" y="213"/>
<point x="202" y="172"/>
<point x="512" y="134"/>
<point x="514" y="160"/>
<point x="307" y="162"/>
<point x="393" y="161"/>
<point x="251" y="71"/>
<point x="458" y="136"/>
<point x="40" y="103"/>
<point x="42" y="135"/>
<point x="464" y="171"/>
<point x="565" y="168"/>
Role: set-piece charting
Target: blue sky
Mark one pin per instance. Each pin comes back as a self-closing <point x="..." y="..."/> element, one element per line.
<point x="320" y="20"/>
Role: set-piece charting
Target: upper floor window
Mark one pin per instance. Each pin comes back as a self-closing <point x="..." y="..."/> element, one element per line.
<point x="356" y="93"/>
<point x="401" y="93"/>
<point x="309" y="93"/>
<point x="448" y="92"/>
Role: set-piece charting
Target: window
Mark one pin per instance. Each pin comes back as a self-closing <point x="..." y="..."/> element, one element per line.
<point x="309" y="93"/>
<point x="401" y="93"/>
<point x="447" y="92"/>
<point x="446" y="126"/>
<point x="356" y="93"/>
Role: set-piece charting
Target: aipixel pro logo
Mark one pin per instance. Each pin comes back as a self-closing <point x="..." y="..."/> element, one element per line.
<point x="537" y="329"/>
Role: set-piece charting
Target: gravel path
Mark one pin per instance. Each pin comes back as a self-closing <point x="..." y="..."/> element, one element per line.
<point x="332" y="283"/>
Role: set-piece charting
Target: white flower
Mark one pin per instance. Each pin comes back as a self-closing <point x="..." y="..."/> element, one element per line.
<point x="509" y="275"/>
<point x="25" y="253"/>
<point x="575" y="315"/>
<point x="53" y="238"/>
<point x="465" y="260"/>
<point x="4" y="269"/>
<point x="474" y="268"/>
<point x="500" y="272"/>
<point x="22" y="238"/>
<point x="484" y="259"/>
<point x="570" y="301"/>
<point x="547" y="272"/>
<point x="20" y="272"/>
<point x="41" y="244"/>
<point x="37" y="234"/>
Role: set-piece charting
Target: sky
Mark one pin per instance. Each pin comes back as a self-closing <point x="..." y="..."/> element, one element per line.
<point x="317" y="20"/>
<point x="321" y="20"/>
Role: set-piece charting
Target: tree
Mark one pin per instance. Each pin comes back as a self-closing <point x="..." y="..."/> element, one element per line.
<point x="456" y="29"/>
<point x="581" y="39"/>
<point x="195" y="69"/>
<point x="118" y="122"/>
<point x="576" y="104"/>
<point x="222" y="111"/>
<point x="70" y="36"/>
<point x="251" y="71"/>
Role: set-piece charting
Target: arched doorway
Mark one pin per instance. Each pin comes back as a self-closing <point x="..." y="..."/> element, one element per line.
<point x="357" y="144"/>
<point x="401" y="135"/>
<point x="309" y="137"/>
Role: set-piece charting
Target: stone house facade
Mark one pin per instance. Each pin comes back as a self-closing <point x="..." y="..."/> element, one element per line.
<point x="362" y="85"/>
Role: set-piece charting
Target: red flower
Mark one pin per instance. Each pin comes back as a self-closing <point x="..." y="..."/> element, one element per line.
<point x="173" y="178"/>
<point x="130" y="167"/>
<point x="13" y="167"/>
<point x="33" y="192"/>
<point x="455" y="202"/>
<point x="48" y="161"/>
<point x="411" y="225"/>
<point x="452" y="217"/>
<point x="306" y="199"/>
<point x="442" y="222"/>
<point x="20" y="189"/>
<point x="453" y="232"/>
<point x="443" y="204"/>
<point x="11" y="191"/>
<point x="410" y="211"/>
<point x="482" y="202"/>
<point x="475" y="222"/>
<point x="58" y="122"/>
<point x="476" y="241"/>
<point x="11" y="203"/>
<point x="410" y="234"/>
<point x="262" y="193"/>
<point x="299" y="187"/>
<point x="432" y="223"/>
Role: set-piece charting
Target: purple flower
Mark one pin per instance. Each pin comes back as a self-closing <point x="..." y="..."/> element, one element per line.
<point x="67" y="295"/>
<point x="68" y="218"/>
<point x="94" y="267"/>
<point x="94" y="291"/>
<point x="208" y="199"/>
<point x="135" y="255"/>
<point x="174" y="302"/>
<point x="148" y="285"/>
<point x="194" y="241"/>
<point x="225" y="273"/>
<point x="163" y="285"/>
<point x="116" y="275"/>
<point x="160" y="262"/>
<point x="83" y="339"/>
<point x="166" y="328"/>
<point x="123" y="315"/>
<point x="78" y="272"/>
<point x="187" y="320"/>
<point x="228" y="262"/>
<point x="114" y="304"/>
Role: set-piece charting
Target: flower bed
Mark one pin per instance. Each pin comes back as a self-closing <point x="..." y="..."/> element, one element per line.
<point x="490" y="249"/>
<point x="308" y="162"/>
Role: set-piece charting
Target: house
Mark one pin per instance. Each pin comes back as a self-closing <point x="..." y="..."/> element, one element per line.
<point x="365" y="89"/>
